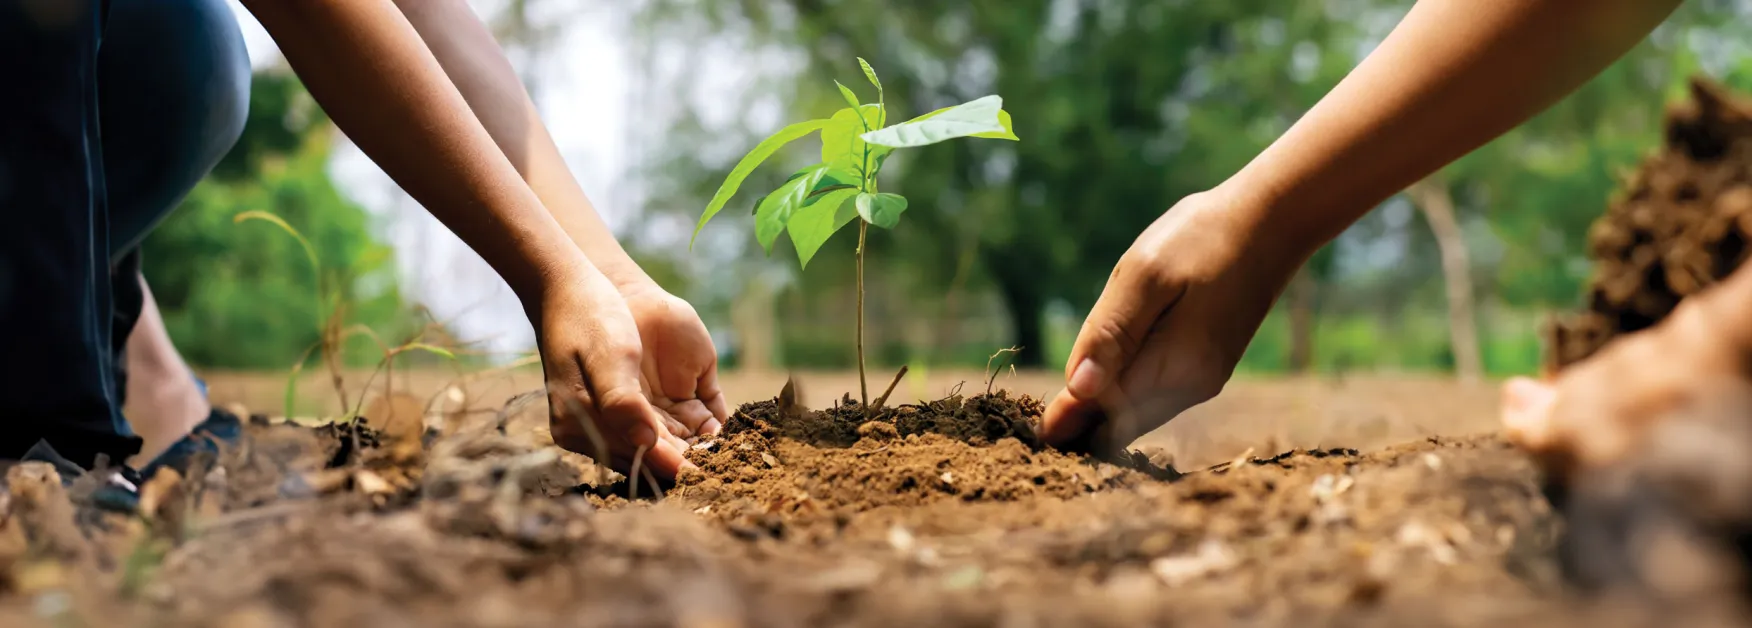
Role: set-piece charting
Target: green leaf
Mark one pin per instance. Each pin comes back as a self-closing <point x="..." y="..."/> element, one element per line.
<point x="830" y="180"/>
<point x="870" y="73"/>
<point x="966" y="119"/>
<point x="851" y="98"/>
<point x="1007" y="134"/>
<point x="292" y="378"/>
<point x="749" y="162"/>
<point x="1003" y="120"/>
<point x="840" y="146"/>
<point x="775" y="211"/>
<point x="817" y="221"/>
<point x="882" y="210"/>
<point x="256" y="214"/>
<point x="838" y="176"/>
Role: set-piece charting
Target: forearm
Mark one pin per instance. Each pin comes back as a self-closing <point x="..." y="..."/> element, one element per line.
<point x="1453" y="75"/>
<point x="479" y="69"/>
<point x="367" y="67"/>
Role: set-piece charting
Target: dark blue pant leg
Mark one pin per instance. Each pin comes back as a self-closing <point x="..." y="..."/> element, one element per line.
<point x="173" y="84"/>
<point x="173" y="87"/>
<point x="56" y="360"/>
<point x="169" y="94"/>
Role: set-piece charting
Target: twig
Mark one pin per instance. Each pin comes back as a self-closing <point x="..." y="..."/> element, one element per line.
<point x="470" y="377"/>
<point x="993" y="375"/>
<point x="656" y="489"/>
<point x="515" y="403"/>
<point x="884" y="398"/>
<point x="633" y="486"/>
<point x="258" y="513"/>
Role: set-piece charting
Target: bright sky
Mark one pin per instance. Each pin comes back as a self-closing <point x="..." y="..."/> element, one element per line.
<point x="583" y="90"/>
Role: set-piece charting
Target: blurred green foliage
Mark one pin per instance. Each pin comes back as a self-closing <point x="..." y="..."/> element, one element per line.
<point x="1125" y="105"/>
<point x="244" y="295"/>
<point x="1129" y="105"/>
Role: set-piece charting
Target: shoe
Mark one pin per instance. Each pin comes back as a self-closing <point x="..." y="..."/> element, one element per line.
<point x="119" y="492"/>
<point x="221" y="429"/>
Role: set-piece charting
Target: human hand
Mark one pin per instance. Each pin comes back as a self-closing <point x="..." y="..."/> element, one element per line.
<point x="1172" y="322"/>
<point x="679" y="363"/>
<point x="591" y="356"/>
<point x="1643" y="393"/>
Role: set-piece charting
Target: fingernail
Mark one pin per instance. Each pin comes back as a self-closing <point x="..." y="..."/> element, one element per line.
<point x="711" y="426"/>
<point x="1088" y="380"/>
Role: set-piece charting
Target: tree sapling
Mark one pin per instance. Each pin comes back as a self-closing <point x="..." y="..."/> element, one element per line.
<point x="817" y="201"/>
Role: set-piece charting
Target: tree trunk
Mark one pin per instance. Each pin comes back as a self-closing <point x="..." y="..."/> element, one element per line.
<point x="1304" y="289"/>
<point x="1436" y="201"/>
<point x="752" y="317"/>
<point x="1022" y="299"/>
<point x="949" y="323"/>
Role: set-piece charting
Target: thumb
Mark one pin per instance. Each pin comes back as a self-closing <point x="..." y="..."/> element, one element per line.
<point x="1136" y="296"/>
<point x="1527" y="413"/>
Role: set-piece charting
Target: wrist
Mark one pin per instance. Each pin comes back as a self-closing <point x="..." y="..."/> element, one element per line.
<point x="1273" y="233"/>
<point x="625" y="274"/>
<point x="555" y="273"/>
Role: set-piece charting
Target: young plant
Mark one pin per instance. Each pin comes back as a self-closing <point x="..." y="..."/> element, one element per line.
<point x="333" y="335"/>
<point x="817" y="201"/>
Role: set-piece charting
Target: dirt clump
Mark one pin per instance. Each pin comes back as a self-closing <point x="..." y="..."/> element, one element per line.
<point x="1680" y="224"/>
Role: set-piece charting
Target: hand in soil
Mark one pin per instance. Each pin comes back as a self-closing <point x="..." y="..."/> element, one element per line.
<point x="680" y="364"/>
<point x="1641" y="391"/>
<point x="1171" y="324"/>
<point x="591" y="356"/>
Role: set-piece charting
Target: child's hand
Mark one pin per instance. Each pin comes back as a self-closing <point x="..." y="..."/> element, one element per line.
<point x="680" y="364"/>
<point x="591" y="355"/>
<point x="1171" y="324"/>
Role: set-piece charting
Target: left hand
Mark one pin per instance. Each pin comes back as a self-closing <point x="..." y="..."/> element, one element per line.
<point x="680" y="364"/>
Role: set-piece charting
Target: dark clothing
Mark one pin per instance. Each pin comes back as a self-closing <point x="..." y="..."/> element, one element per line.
<point x="110" y="112"/>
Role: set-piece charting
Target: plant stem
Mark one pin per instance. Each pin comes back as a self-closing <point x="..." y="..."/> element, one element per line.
<point x="863" y="382"/>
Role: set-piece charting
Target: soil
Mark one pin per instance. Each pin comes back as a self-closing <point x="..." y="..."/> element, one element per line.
<point x="940" y="514"/>
<point x="1681" y="223"/>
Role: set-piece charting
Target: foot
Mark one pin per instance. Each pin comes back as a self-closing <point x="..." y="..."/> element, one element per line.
<point x="118" y="489"/>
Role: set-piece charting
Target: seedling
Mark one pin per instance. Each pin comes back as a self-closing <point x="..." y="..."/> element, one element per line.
<point x="331" y="305"/>
<point x="817" y="201"/>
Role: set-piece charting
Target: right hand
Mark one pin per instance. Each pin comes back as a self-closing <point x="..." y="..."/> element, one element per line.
<point x="590" y="355"/>
<point x="1171" y="324"/>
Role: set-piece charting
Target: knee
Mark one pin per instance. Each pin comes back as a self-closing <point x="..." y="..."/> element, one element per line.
<point x="228" y="90"/>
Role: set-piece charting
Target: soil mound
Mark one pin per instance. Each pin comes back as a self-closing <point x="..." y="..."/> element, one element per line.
<point x="1681" y="223"/>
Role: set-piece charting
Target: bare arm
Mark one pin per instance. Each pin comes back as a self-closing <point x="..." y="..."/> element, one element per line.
<point x="1453" y="75"/>
<point x="368" y="68"/>
<point x="372" y="73"/>
<point x="478" y="67"/>
<point x="1187" y="297"/>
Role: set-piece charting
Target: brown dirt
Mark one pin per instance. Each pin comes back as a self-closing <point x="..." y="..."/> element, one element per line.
<point x="1681" y="223"/>
<point x="931" y="514"/>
